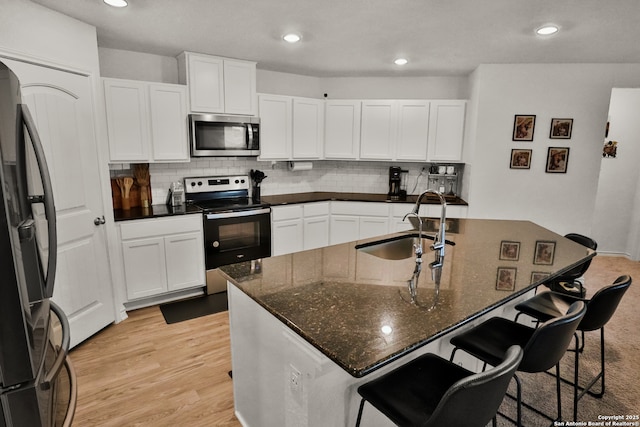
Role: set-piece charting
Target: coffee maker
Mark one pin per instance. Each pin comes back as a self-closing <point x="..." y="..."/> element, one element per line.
<point x="397" y="183"/>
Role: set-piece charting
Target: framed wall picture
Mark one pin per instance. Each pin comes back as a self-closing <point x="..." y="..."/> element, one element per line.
<point x="523" y="127"/>
<point x="538" y="276"/>
<point x="506" y="280"/>
<point x="557" y="159"/>
<point x="509" y="251"/>
<point x="561" y="128"/>
<point x="520" y="159"/>
<point x="544" y="253"/>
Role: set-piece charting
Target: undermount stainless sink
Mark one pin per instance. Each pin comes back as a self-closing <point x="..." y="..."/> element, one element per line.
<point x="396" y="248"/>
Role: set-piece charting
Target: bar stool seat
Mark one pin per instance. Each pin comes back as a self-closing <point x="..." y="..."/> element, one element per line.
<point x="543" y="347"/>
<point x="600" y="308"/>
<point x="431" y="391"/>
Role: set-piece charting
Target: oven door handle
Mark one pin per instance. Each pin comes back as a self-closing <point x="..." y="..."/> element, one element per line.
<point x="238" y="214"/>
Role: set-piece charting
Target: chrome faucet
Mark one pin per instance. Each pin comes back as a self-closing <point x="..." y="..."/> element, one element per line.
<point x="413" y="282"/>
<point x="438" y="246"/>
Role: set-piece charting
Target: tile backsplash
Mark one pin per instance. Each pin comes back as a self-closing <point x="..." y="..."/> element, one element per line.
<point x="326" y="175"/>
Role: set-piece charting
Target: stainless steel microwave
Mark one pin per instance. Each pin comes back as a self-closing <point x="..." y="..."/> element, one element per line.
<point x="214" y="135"/>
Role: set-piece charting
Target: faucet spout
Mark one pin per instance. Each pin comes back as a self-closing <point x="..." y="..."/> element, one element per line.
<point x="438" y="247"/>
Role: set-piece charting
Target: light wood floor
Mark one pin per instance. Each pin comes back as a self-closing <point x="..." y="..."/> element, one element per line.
<point x="143" y="372"/>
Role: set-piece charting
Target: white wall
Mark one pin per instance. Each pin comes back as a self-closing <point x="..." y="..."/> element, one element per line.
<point x="288" y="84"/>
<point x="561" y="202"/>
<point x="396" y="87"/>
<point x="124" y="64"/>
<point x="35" y="32"/>
<point x="615" y="219"/>
<point x="142" y="66"/>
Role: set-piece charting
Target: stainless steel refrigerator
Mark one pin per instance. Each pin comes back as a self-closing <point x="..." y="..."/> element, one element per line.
<point x="37" y="383"/>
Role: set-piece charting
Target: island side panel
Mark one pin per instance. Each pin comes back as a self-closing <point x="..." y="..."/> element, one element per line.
<point x="278" y="378"/>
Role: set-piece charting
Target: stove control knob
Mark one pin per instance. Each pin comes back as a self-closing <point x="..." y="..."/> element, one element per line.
<point x="215" y="244"/>
<point x="199" y="183"/>
<point x="242" y="181"/>
<point x="193" y="183"/>
<point x="237" y="181"/>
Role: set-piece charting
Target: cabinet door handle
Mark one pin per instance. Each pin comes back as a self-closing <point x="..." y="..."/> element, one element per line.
<point x="99" y="220"/>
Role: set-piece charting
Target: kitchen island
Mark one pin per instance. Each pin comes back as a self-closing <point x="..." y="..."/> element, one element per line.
<point x="307" y="328"/>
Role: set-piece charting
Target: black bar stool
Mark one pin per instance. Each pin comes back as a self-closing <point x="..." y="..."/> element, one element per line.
<point x="543" y="346"/>
<point x="430" y="391"/>
<point x="568" y="283"/>
<point x="600" y="309"/>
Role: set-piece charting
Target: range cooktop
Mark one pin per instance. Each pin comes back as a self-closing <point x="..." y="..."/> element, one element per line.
<point x="220" y="193"/>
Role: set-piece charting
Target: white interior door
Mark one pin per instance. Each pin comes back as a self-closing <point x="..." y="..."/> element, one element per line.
<point x="62" y="107"/>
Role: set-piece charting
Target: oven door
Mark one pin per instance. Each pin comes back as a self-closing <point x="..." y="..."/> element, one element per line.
<point x="232" y="237"/>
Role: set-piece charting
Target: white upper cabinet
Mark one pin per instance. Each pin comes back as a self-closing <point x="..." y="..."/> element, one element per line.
<point x="239" y="87"/>
<point x="291" y="128"/>
<point x="127" y="119"/>
<point x="275" y="126"/>
<point x="386" y="130"/>
<point x="218" y="85"/>
<point x="168" y="115"/>
<point x="394" y="130"/>
<point x="308" y="128"/>
<point x="446" y="130"/>
<point x="413" y="130"/>
<point x="378" y="129"/>
<point x="146" y="122"/>
<point x="342" y="129"/>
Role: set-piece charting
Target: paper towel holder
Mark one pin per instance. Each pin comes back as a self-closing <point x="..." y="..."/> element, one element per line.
<point x="300" y="166"/>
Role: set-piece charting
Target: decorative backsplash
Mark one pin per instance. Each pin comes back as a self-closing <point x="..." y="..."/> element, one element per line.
<point x="326" y="175"/>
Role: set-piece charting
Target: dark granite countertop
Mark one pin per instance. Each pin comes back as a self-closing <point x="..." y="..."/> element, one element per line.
<point x="323" y="196"/>
<point x="339" y="298"/>
<point x="155" y="211"/>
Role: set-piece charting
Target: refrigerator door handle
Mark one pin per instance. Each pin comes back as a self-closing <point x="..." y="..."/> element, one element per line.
<point x="52" y="375"/>
<point x="73" y="394"/>
<point x="49" y="206"/>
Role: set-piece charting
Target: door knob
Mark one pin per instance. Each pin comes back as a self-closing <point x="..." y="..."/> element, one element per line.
<point x="99" y="220"/>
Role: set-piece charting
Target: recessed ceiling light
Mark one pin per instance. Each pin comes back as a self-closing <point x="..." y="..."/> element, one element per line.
<point x="116" y="3"/>
<point x="547" y="30"/>
<point x="291" y="38"/>
<point x="400" y="61"/>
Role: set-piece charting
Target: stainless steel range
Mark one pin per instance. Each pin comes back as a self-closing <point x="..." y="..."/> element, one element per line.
<point x="235" y="227"/>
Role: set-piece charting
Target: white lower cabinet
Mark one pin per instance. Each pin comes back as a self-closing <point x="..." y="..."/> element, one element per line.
<point x="316" y="225"/>
<point x="299" y="227"/>
<point x="344" y="228"/>
<point x="162" y="255"/>
<point x="144" y="267"/>
<point x="357" y="220"/>
<point x="373" y="226"/>
<point x="398" y="211"/>
<point x="286" y="229"/>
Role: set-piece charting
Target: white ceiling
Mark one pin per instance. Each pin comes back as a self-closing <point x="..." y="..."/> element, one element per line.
<point x="362" y="37"/>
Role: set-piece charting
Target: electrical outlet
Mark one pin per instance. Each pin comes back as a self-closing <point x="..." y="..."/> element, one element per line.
<point x="295" y="379"/>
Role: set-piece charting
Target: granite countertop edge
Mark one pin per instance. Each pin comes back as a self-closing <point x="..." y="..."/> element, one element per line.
<point x="154" y="211"/>
<point x="326" y="196"/>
